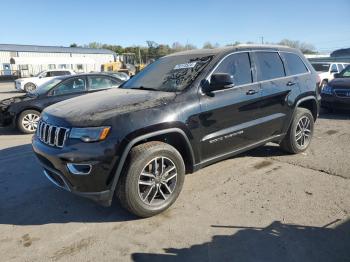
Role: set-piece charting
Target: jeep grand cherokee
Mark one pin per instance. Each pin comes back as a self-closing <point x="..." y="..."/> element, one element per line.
<point x="181" y="113"/>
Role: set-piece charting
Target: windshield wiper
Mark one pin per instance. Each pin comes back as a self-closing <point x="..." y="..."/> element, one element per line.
<point x="145" y="88"/>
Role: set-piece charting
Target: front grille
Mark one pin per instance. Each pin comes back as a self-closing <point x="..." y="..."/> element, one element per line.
<point x="51" y="135"/>
<point x="345" y="93"/>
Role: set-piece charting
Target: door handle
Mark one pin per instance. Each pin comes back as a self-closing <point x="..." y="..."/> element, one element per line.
<point x="251" y="92"/>
<point x="290" y="83"/>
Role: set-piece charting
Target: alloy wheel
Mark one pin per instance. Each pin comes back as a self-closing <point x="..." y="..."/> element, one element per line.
<point x="303" y="132"/>
<point x="30" y="122"/>
<point x="157" y="181"/>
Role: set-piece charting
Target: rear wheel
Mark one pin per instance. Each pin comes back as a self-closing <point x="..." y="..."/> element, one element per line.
<point x="29" y="87"/>
<point x="27" y="121"/>
<point x="152" y="179"/>
<point x="299" y="135"/>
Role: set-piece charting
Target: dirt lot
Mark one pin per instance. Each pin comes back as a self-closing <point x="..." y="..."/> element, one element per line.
<point x="260" y="206"/>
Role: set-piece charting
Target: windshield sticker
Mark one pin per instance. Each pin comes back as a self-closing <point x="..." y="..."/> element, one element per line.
<point x="183" y="66"/>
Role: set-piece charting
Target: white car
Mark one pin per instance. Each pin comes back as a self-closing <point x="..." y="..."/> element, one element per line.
<point x="29" y="84"/>
<point x="326" y="71"/>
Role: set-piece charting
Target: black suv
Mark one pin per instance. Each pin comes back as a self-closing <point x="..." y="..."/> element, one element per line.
<point x="181" y="113"/>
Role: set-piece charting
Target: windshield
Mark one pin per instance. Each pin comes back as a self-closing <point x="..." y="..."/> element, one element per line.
<point x="169" y="74"/>
<point x="42" y="89"/>
<point x="345" y="73"/>
<point x="321" y="67"/>
<point x="38" y="74"/>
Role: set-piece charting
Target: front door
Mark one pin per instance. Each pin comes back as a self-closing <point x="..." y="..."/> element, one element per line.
<point x="228" y="117"/>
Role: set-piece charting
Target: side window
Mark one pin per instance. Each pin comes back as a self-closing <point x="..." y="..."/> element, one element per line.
<point x="99" y="82"/>
<point x="294" y="64"/>
<point x="237" y="65"/>
<point x="47" y="74"/>
<point x="340" y="67"/>
<point x="269" y="65"/>
<point x="70" y="86"/>
<point x="334" y="68"/>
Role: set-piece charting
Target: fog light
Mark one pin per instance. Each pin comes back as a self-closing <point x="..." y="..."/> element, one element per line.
<point x="79" y="169"/>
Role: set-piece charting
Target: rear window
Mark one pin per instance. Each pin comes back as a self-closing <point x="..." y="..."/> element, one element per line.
<point x="269" y="65"/>
<point x="294" y="64"/>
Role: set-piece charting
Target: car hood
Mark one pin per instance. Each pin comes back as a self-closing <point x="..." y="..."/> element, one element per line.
<point x="97" y="107"/>
<point x="17" y="99"/>
<point x="340" y="83"/>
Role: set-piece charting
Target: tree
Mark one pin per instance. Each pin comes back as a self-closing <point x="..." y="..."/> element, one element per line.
<point x="304" y="47"/>
<point x="73" y="45"/>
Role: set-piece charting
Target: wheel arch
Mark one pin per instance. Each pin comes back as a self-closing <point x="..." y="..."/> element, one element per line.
<point x="309" y="103"/>
<point x="172" y="136"/>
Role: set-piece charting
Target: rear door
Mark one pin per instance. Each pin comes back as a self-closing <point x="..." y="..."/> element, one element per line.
<point x="227" y="118"/>
<point x="275" y="86"/>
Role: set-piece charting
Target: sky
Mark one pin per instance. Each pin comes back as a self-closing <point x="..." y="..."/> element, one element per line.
<point x="323" y="23"/>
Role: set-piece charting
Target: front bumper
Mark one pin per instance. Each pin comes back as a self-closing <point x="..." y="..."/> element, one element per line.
<point x="96" y="185"/>
<point x="335" y="102"/>
<point x="5" y="118"/>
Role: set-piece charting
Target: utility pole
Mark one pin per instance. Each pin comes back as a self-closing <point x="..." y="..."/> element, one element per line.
<point x="262" y="40"/>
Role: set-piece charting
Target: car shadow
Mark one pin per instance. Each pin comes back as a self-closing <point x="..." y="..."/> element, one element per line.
<point x="274" y="243"/>
<point x="9" y="130"/>
<point x="28" y="198"/>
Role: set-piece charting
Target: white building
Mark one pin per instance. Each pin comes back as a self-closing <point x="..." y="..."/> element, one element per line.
<point x="26" y="60"/>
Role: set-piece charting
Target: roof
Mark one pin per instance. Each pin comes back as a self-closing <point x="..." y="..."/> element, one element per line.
<point x="225" y="49"/>
<point x="53" y="49"/>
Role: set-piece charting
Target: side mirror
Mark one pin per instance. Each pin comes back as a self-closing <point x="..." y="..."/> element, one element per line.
<point x="336" y="75"/>
<point x="220" y="81"/>
<point x="334" y="71"/>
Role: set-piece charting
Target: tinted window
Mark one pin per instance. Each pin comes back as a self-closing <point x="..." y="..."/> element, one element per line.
<point x="59" y="73"/>
<point x="321" y="67"/>
<point x="345" y="72"/>
<point x="70" y="86"/>
<point x="237" y="65"/>
<point x="340" y="67"/>
<point x="269" y="65"/>
<point x="101" y="82"/>
<point x="294" y="64"/>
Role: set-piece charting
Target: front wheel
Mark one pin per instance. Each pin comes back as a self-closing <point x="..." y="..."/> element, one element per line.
<point x="27" y="121"/>
<point x="29" y="87"/>
<point x="152" y="180"/>
<point x="299" y="135"/>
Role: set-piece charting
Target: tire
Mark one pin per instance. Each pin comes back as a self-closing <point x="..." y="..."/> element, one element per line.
<point x="27" y="121"/>
<point x="300" y="132"/>
<point x="29" y="87"/>
<point x="145" y="194"/>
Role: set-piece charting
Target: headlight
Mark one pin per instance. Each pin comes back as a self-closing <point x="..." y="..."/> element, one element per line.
<point x="327" y="90"/>
<point x="90" y="134"/>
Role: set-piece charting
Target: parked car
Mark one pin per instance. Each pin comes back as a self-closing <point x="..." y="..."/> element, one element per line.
<point x="326" y="71"/>
<point x="181" y="113"/>
<point x="24" y="111"/>
<point x="29" y="84"/>
<point x="336" y="94"/>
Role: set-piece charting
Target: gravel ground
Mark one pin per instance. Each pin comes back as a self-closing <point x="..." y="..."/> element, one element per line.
<point x="263" y="205"/>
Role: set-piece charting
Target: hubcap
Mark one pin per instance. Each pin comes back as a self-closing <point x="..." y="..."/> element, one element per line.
<point x="31" y="87"/>
<point x="303" y="132"/>
<point x="30" y="122"/>
<point x="157" y="181"/>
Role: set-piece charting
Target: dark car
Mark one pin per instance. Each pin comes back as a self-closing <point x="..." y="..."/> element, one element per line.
<point x="181" y="113"/>
<point x="24" y="111"/>
<point x="336" y="94"/>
